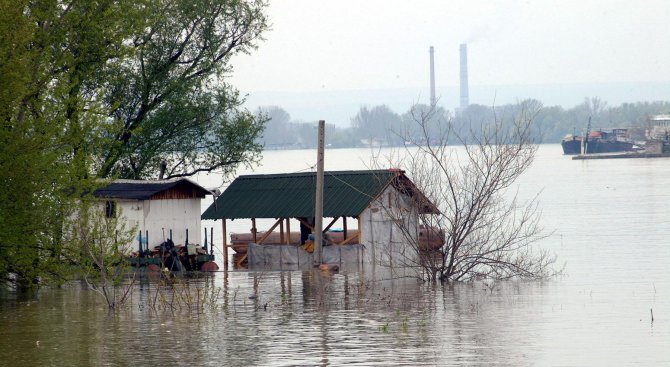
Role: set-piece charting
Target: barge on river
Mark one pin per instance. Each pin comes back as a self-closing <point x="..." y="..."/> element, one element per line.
<point x="599" y="141"/>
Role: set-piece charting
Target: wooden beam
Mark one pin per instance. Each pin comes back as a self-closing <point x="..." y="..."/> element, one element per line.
<point x="241" y="260"/>
<point x="281" y="230"/>
<point x="265" y="236"/>
<point x="331" y="224"/>
<point x="318" y="198"/>
<point x="349" y="240"/>
<point x="268" y="232"/>
<point x="344" y="226"/>
<point x="225" y="244"/>
<point x="327" y="228"/>
<point x="306" y="224"/>
<point x="253" y="229"/>
<point x="288" y="231"/>
<point x="359" y="229"/>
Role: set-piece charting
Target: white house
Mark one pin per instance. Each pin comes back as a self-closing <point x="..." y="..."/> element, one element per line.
<point x="156" y="208"/>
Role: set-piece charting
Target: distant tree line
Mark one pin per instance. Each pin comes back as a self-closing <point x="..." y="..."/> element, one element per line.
<point x="381" y="126"/>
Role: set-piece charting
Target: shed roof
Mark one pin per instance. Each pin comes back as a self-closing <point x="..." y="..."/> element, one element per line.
<point x="291" y="195"/>
<point x="144" y="190"/>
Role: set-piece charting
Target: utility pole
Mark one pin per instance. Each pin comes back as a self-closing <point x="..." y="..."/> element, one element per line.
<point x="318" y="210"/>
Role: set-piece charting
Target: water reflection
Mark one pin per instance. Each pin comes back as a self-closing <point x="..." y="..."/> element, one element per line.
<point x="255" y="318"/>
<point x="614" y="242"/>
<point x="286" y="318"/>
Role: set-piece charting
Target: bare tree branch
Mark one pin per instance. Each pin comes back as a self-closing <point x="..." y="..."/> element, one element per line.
<point x="486" y="231"/>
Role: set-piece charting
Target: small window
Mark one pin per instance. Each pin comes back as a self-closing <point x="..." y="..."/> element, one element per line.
<point x="110" y="209"/>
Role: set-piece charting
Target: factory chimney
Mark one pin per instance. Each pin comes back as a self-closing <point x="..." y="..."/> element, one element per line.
<point x="465" y="99"/>
<point x="432" y="77"/>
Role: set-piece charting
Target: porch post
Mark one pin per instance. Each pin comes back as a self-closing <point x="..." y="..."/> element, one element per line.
<point x="225" y="244"/>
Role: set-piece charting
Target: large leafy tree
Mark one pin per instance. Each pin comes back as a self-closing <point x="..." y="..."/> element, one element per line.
<point x="50" y="55"/>
<point x="17" y="234"/>
<point x="103" y="88"/>
<point x="171" y="97"/>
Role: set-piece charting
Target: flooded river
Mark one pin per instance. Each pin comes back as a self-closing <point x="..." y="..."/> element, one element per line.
<point x="610" y="224"/>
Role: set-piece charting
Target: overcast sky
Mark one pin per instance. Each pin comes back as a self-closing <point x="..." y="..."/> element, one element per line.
<point x="364" y="44"/>
<point x="317" y="45"/>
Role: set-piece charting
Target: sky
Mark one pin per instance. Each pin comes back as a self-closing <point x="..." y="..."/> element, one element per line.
<point x="317" y="46"/>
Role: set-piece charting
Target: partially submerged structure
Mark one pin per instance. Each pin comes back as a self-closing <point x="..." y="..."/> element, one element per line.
<point x="384" y="204"/>
<point x="158" y="209"/>
<point x="658" y="135"/>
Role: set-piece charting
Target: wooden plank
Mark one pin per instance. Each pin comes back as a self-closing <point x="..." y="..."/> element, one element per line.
<point x="265" y="236"/>
<point x="268" y="232"/>
<point x="349" y="239"/>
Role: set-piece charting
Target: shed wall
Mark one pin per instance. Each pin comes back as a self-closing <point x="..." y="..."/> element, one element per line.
<point x="388" y="226"/>
<point x="159" y="216"/>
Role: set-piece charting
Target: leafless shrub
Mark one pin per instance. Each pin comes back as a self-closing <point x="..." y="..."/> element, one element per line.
<point x="173" y="293"/>
<point x="468" y="173"/>
<point x="97" y="246"/>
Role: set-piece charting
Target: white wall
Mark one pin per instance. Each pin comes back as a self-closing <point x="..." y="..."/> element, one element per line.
<point x="386" y="243"/>
<point x="159" y="216"/>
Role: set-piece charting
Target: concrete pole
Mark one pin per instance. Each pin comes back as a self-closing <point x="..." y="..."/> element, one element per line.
<point x="433" y="99"/>
<point x="465" y="90"/>
<point x="318" y="210"/>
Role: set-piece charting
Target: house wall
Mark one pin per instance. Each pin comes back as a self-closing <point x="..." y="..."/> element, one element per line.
<point x="389" y="226"/>
<point x="159" y="216"/>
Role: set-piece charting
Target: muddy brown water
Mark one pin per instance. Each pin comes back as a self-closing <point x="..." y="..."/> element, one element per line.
<point x="611" y="228"/>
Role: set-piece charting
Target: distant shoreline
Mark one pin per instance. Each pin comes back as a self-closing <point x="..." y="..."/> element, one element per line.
<point x="339" y="106"/>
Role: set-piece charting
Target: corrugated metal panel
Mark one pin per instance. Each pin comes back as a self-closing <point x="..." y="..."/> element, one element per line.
<point x="346" y="193"/>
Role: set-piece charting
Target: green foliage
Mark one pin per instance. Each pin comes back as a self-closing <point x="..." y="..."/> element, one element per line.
<point x="110" y="88"/>
<point x="32" y="144"/>
<point x="171" y="97"/>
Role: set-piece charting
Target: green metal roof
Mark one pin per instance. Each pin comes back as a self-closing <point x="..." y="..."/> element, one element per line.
<point x="291" y="195"/>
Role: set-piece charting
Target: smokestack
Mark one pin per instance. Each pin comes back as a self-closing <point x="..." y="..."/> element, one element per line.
<point x="432" y="77"/>
<point x="465" y="99"/>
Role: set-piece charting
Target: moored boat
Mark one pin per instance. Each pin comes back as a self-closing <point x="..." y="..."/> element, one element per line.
<point x="599" y="141"/>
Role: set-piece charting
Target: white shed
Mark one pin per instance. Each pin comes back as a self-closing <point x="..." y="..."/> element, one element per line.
<point x="156" y="208"/>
